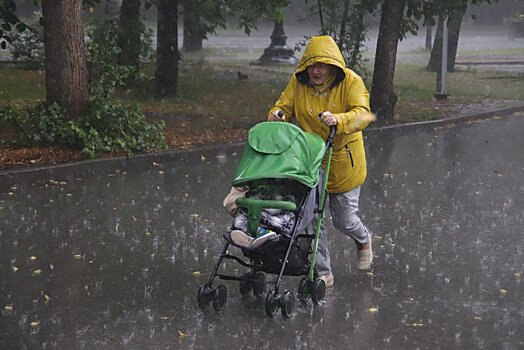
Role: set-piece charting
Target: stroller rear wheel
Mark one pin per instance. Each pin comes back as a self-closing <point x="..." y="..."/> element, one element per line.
<point x="271" y="303"/>
<point x="259" y="286"/>
<point x="245" y="285"/>
<point x="304" y="290"/>
<point x="319" y="291"/>
<point x="219" y="297"/>
<point x="287" y="304"/>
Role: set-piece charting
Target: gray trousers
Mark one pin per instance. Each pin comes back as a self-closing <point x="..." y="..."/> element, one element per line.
<point x="344" y="208"/>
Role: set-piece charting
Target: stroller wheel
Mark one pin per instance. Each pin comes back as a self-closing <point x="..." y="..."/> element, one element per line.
<point x="245" y="284"/>
<point x="259" y="285"/>
<point x="319" y="291"/>
<point x="304" y="290"/>
<point x="220" y="298"/>
<point x="271" y="303"/>
<point x="287" y="304"/>
<point x="204" y="296"/>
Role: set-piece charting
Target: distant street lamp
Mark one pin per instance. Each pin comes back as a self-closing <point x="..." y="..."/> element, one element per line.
<point x="278" y="52"/>
<point x="442" y="73"/>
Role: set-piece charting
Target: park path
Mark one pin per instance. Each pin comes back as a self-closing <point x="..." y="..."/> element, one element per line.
<point x="110" y="254"/>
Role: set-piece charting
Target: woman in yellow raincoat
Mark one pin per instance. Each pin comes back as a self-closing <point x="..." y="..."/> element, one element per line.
<point x="323" y="85"/>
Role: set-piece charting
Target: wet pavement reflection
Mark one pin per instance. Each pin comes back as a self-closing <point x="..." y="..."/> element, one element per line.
<point x="110" y="254"/>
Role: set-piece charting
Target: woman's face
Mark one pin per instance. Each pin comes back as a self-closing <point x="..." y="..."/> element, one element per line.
<point x="319" y="73"/>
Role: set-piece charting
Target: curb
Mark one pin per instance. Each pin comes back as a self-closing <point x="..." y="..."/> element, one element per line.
<point x="93" y="164"/>
<point x="444" y="121"/>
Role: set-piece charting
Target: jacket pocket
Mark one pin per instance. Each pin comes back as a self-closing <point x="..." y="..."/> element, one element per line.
<point x="348" y="151"/>
<point x="350" y="155"/>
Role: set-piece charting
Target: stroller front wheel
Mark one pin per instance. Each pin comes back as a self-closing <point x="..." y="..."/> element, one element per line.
<point x="204" y="296"/>
<point x="287" y="304"/>
<point x="271" y="303"/>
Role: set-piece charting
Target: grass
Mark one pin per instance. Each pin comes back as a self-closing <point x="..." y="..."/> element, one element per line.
<point x="498" y="52"/>
<point x="212" y="97"/>
<point x="23" y="84"/>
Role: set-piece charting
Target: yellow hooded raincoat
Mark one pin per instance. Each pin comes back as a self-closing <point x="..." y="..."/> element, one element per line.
<point x="348" y="100"/>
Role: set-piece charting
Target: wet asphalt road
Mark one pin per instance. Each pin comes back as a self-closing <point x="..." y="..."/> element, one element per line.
<point x="110" y="255"/>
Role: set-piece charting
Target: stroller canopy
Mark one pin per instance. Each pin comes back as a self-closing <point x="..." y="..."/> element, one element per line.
<point x="280" y="150"/>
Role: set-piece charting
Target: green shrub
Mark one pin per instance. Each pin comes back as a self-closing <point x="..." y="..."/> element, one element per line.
<point x="39" y="126"/>
<point x="112" y="127"/>
<point x="109" y="126"/>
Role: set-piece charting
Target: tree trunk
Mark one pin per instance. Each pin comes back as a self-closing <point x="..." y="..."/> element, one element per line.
<point x="454" y="25"/>
<point x="343" y="25"/>
<point x="65" y="63"/>
<point x="429" y="30"/>
<point x="359" y="37"/>
<point x="193" y="32"/>
<point x="166" y="73"/>
<point x="383" y="97"/>
<point x="129" y="33"/>
<point x="435" y="58"/>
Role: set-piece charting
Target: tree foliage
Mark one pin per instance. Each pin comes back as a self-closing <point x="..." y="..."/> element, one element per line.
<point x="344" y="21"/>
<point x="206" y="16"/>
<point x="8" y="21"/>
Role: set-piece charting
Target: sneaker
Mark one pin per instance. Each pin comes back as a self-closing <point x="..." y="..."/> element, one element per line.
<point x="328" y="279"/>
<point x="365" y="257"/>
<point x="241" y="239"/>
<point x="263" y="235"/>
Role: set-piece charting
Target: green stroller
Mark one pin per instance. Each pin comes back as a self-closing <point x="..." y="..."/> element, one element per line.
<point x="283" y="157"/>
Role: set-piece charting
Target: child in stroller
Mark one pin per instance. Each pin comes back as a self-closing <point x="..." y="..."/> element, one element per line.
<point x="272" y="221"/>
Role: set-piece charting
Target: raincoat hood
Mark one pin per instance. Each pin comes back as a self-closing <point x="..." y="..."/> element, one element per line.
<point x="321" y="49"/>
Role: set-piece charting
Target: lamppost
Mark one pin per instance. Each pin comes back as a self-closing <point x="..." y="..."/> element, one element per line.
<point x="442" y="73"/>
<point x="278" y="52"/>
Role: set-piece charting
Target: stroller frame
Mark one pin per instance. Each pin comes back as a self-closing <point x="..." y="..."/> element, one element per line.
<point x="310" y="287"/>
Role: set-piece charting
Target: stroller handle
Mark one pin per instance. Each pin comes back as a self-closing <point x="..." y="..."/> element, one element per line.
<point x="332" y="132"/>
